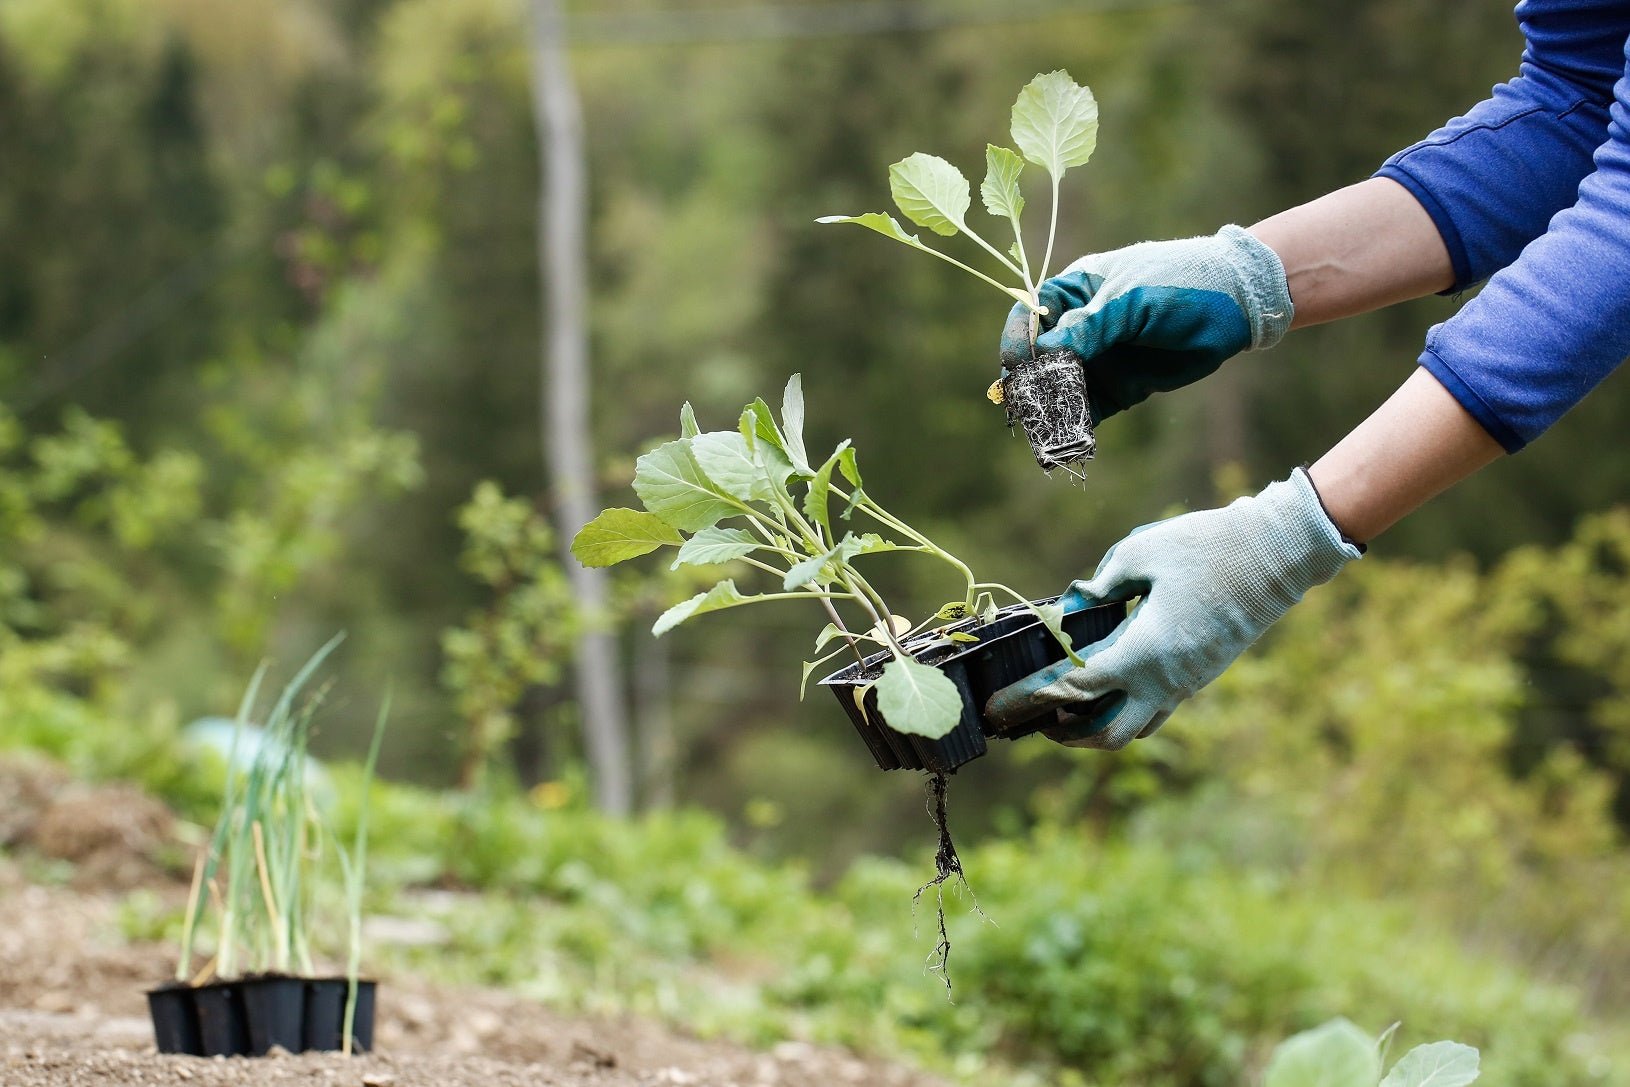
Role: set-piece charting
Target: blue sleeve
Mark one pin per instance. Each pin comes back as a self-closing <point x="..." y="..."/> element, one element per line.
<point x="1548" y="328"/>
<point x="1493" y="178"/>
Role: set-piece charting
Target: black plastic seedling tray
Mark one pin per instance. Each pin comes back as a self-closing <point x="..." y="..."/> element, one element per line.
<point x="249" y="1016"/>
<point x="1012" y="646"/>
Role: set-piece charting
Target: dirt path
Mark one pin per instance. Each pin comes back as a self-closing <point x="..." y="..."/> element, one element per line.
<point x="72" y="1014"/>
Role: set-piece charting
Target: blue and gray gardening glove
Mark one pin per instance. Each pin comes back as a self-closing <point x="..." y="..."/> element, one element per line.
<point x="1155" y="316"/>
<point x="1211" y="582"/>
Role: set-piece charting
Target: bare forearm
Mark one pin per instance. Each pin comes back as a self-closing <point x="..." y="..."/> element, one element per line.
<point x="1357" y="249"/>
<point x="1416" y="445"/>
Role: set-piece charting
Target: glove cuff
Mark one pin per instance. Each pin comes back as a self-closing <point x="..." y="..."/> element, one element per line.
<point x="1312" y="546"/>
<point x="1263" y="289"/>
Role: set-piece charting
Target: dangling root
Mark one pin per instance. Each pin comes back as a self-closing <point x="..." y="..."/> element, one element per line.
<point x="946" y="864"/>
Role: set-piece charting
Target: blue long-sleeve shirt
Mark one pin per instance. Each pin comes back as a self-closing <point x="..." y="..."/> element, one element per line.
<point x="1531" y="191"/>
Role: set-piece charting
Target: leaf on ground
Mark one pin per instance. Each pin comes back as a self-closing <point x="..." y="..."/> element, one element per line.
<point x="715" y="545"/>
<point x="931" y="193"/>
<point x="673" y="486"/>
<point x="1000" y="189"/>
<point x="619" y="534"/>
<point x="1055" y="122"/>
<point x="1436" y="1064"/>
<point x="918" y="699"/>
<point x="721" y="596"/>
<point x="1336" y="1054"/>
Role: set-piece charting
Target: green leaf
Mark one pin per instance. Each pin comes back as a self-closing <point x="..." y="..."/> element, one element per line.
<point x="1437" y="1064"/>
<point x="1000" y="189"/>
<point x="810" y="666"/>
<point x="726" y="459"/>
<point x="828" y="632"/>
<point x="715" y="545"/>
<point x="764" y="426"/>
<point x="792" y="418"/>
<point x="918" y="699"/>
<point x="721" y="596"/>
<point x="848" y="465"/>
<point x="1336" y="1054"/>
<point x="619" y="534"/>
<point x="687" y="422"/>
<point x="1052" y="617"/>
<point x="962" y="637"/>
<point x="820" y="485"/>
<point x="841" y="552"/>
<point x="1055" y="122"/>
<point x="882" y="222"/>
<point x="931" y="193"/>
<point x="672" y="485"/>
<point x="956" y="609"/>
<point x="747" y="427"/>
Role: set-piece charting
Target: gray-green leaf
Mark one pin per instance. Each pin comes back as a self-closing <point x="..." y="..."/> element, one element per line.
<point x="673" y="486"/>
<point x="723" y="595"/>
<point x="1000" y="189"/>
<point x="725" y="458"/>
<point x="882" y="222"/>
<point x="792" y="419"/>
<point x="619" y="534"/>
<point x="841" y="552"/>
<point x="715" y="545"/>
<point x="918" y="699"/>
<point x="820" y="485"/>
<point x="1336" y="1054"/>
<point x="687" y="422"/>
<point x="1055" y="122"/>
<point x="931" y="193"/>
<point x="1437" y="1064"/>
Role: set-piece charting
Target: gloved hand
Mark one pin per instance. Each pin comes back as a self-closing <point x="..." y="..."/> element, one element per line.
<point x="1155" y="316"/>
<point x="1211" y="583"/>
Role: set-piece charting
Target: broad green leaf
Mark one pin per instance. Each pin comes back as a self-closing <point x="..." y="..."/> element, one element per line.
<point x="808" y="570"/>
<point x="792" y="419"/>
<point x="723" y="595"/>
<point x="820" y="485"/>
<point x="1055" y="122"/>
<point x="672" y="485"/>
<point x="1336" y="1054"/>
<point x="1000" y="189"/>
<point x="619" y="534"/>
<point x="726" y="459"/>
<point x="931" y="192"/>
<point x="715" y="545"/>
<point x="918" y="699"/>
<point x="848" y="465"/>
<point x="687" y="422"/>
<point x="764" y="426"/>
<point x="747" y="427"/>
<point x="880" y="221"/>
<point x="1437" y="1064"/>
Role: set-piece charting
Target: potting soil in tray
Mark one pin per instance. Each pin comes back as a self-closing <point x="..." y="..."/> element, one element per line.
<point x="249" y="1016"/>
<point x="1011" y="647"/>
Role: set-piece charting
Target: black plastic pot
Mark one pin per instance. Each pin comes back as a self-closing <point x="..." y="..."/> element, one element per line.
<point x="248" y="1016"/>
<point x="175" y="1019"/>
<point x="1012" y="646"/>
<point x="324" y="1025"/>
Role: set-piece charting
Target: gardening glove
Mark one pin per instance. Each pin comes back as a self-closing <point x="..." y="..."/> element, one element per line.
<point x="1211" y="582"/>
<point x="1155" y="316"/>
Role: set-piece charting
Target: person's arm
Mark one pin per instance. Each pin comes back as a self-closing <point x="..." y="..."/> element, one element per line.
<point x="1356" y="250"/>
<point x="1415" y="446"/>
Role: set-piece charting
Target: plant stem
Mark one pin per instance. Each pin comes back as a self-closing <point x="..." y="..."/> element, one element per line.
<point x="865" y="594"/>
<point x="1052" y="230"/>
<point x="837" y="621"/>
<point x="993" y="251"/>
<point x="975" y="272"/>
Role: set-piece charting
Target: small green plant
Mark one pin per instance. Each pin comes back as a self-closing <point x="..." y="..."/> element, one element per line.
<point x="1055" y="126"/>
<point x="258" y="869"/>
<point x="1339" y="1054"/>
<point x="804" y="523"/>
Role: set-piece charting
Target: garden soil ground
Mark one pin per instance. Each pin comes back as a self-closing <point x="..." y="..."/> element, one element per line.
<point x="72" y="1014"/>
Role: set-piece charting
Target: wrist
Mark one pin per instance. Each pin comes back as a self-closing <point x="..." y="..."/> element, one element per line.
<point x="1264" y="290"/>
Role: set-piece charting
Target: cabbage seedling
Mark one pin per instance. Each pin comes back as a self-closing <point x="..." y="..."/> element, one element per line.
<point x="1054" y="126"/>
<point x="753" y="496"/>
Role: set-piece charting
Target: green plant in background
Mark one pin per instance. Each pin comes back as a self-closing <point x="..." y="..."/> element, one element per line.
<point x="521" y="638"/>
<point x="1055" y="126"/>
<point x="1338" y="1054"/>
<point x="760" y="476"/>
<point x="259" y="868"/>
